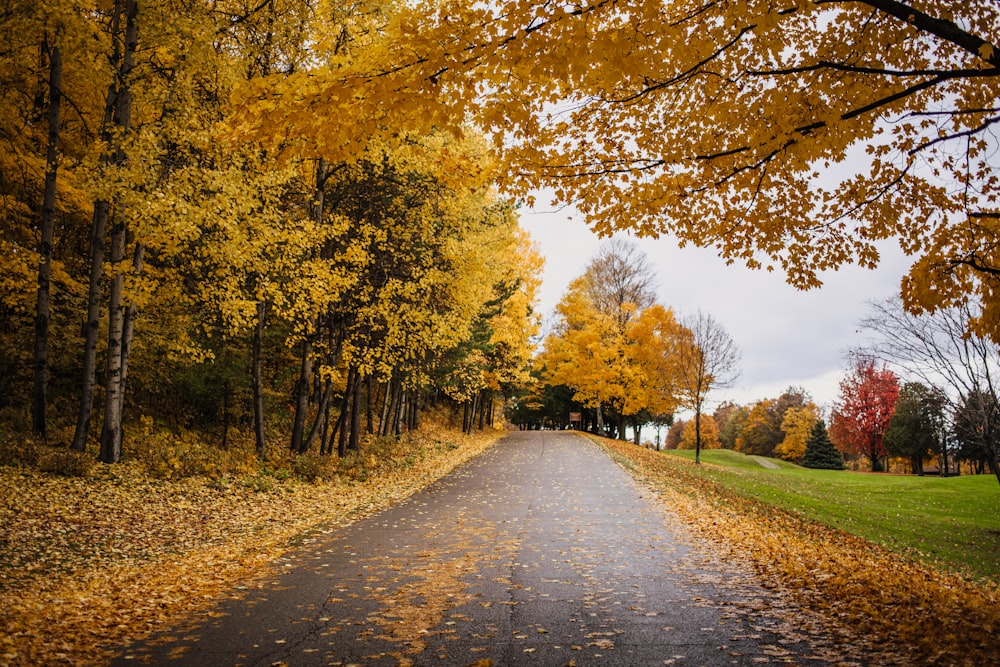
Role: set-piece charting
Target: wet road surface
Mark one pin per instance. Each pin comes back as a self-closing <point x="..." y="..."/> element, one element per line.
<point x="542" y="551"/>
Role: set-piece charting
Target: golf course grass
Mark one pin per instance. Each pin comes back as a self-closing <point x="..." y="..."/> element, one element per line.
<point x="950" y="522"/>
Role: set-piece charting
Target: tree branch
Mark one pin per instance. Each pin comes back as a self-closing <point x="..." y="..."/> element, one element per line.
<point x="946" y="30"/>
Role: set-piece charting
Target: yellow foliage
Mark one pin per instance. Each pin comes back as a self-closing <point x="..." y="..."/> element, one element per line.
<point x="709" y="434"/>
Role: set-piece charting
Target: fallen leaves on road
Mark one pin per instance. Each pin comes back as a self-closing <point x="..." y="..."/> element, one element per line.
<point x="87" y="565"/>
<point x="861" y="592"/>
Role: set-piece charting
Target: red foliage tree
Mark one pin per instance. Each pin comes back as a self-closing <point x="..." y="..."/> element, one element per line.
<point x="861" y="414"/>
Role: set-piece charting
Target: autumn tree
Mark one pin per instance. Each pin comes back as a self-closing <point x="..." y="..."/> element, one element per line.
<point x="861" y="413"/>
<point x="674" y="434"/>
<point x="709" y="360"/>
<point x="796" y="426"/>
<point x="820" y="452"/>
<point x="730" y="420"/>
<point x="761" y="431"/>
<point x="585" y="351"/>
<point x="708" y="434"/>
<point x="612" y="343"/>
<point x="796" y="136"/>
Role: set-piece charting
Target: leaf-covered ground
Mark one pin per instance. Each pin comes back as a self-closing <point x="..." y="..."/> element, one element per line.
<point x="88" y="564"/>
<point x="874" y="597"/>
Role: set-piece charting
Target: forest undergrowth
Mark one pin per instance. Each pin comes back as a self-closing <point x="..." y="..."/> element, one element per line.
<point x="905" y="612"/>
<point x="95" y="556"/>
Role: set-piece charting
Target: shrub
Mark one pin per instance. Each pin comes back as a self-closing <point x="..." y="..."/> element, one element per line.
<point x="65" y="462"/>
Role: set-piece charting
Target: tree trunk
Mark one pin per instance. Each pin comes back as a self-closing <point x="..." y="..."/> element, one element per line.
<point x="302" y="396"/>
<point x="92" y="328"/>
<point x="111" y="432"/>
<point x="128" y="332"/>
<point x="383" y="424"/>
<point x="320" y="418"/>
<point x="257" y="381"/>
<point x="397" y="426"/>
<point x="697" y="434"/>
<point x="415" y="412"/>
<point x="369" y="409"/>
<point x="47" y="224"/>
<point x="345" y="416"/>
<point x="226" y="393"/>
<point x="355" y="413"/>
<point x="113" y="104"/>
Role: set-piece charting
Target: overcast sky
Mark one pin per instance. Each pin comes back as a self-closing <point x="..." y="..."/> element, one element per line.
<point x="787" y="337"/>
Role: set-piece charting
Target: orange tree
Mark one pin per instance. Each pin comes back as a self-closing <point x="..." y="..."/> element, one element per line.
<point x="794" y="135"/>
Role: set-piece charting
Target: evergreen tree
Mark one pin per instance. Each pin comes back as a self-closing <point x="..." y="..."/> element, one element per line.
<point x="820" y="452"/>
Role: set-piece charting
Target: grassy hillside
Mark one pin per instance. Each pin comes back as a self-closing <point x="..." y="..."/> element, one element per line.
<point x="951" y="522"/>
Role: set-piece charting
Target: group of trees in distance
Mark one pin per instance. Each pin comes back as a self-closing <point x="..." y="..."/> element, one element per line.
<point x="622" y="361"/>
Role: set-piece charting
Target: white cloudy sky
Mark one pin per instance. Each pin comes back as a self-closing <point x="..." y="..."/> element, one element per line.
<point x="788" y="337"/>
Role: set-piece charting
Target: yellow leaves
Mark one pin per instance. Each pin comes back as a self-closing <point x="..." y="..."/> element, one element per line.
<point x="92" y="564"/>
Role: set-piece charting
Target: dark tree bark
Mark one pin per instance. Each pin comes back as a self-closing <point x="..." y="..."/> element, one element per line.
<point x="321" y="414"/>
<point x="383" y="425"/>
<point x="345" y="413"/>
<point x="257" y="381"/>
<point x="302" y="396"/>
<point x="47" y="224"/>
<point x="354" y="443"/>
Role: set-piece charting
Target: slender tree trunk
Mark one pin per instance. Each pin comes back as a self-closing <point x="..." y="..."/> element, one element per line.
<point x="226" y="391"/>
<point x="697" y="434"/>
<point x="128" y="332"/>
<point x="92" y="328"/>
<point x="369" y="410"/>
<point x="111" y="433"/>
<point x="257" y="381"/>
<point x="302" y="396"/>
<point x="600" y="421"/>
<point x="320" y="418"/>
<point x="39" y="397"/>
<point x="415" y="412"/>
<point x="345" y="416"/>
<point x="333" y="433"/>
<point x="355" y="413"/>
<point x="383" y="424"/>
<point x="397" y="426"/>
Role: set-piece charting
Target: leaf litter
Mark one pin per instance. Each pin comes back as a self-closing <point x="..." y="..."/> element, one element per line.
<point x="829" y="583"/>
<point x="89" y="565"/>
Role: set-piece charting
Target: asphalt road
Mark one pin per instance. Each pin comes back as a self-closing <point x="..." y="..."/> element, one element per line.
<point x="540" y="552"/>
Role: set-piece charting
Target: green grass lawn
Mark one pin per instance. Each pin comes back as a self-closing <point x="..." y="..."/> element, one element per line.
<point x="951" y="522"/>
